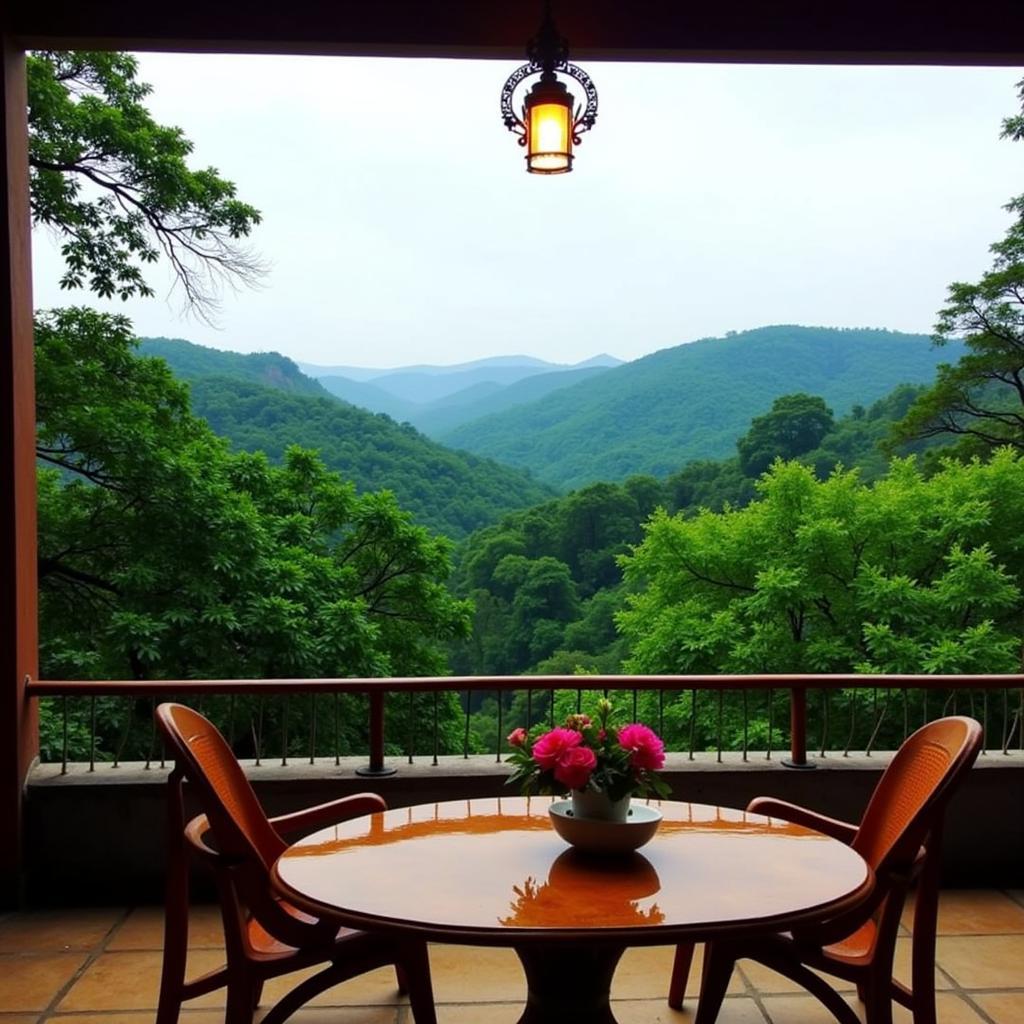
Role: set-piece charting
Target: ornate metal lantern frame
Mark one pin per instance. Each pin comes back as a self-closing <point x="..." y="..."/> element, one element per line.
<point x="548" y="53"/>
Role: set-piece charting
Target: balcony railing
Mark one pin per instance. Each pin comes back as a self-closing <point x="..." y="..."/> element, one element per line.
<point x="837" y="715"/>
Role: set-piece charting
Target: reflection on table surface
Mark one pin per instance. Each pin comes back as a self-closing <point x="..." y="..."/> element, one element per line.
<point x="498" y="864"/>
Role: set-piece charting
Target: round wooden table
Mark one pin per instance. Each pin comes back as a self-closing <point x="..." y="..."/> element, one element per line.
<point x="493" y="872"/>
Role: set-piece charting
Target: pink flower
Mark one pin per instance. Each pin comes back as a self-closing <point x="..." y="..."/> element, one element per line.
<point x="575" y="766"/>
<point x="516" y="738"/>
<point x="646" y="750"/>
<point x="550" y="747"/>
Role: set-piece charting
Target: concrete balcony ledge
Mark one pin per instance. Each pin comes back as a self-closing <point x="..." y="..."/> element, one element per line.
<point x="102" y="832"/>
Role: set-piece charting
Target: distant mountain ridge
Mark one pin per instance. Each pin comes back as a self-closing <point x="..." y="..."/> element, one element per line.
<point x="441" y="369"/>
<point x="438" y="398"/>
<point x="693" y="401"/>
<point x="263" y="402"/>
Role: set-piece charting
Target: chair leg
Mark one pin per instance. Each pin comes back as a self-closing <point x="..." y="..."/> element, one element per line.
<point x="415" y="966"/>
<point x="403" y="980"/>
<point x="172" y="980"/>
<point x="922" y="971"/>
<point x="257" y="994"/>
<point x="878" y="1001"/>
<point x="680" y="975"/>
<point x="172" y="973"/>
<point x="718" y="968"/>
<point x="241" y="1000"/>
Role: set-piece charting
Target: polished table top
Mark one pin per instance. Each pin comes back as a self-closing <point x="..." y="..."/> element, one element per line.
<point x="494" y="871"/>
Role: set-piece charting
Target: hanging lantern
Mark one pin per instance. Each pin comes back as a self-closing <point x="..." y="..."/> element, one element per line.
<point x="549" y="125"/>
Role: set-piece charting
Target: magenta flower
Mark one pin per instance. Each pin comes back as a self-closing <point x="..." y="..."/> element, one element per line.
<point x="646" y="750"/>
<point x="575" y="767"/>
<point x="517" y="737"/>
<point x="550" y="747"/>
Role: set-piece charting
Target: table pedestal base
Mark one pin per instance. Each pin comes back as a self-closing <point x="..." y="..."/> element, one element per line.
<point x="567" y="984"/>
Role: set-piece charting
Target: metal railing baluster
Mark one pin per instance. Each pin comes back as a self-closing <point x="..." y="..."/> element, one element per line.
<point x="284" y="732"/>
<point x="721" y="700"/>
<point x="92" y="734"/>
<point x="879" y="715"/>
<point x="501" y="699"/>
<point x="693" y="721"/>
<point x="410" y="737"/>
<point x="257" y="736"/>
<point x="746" y="725"/>
<point x="436" y="696"/>
<point x="824" y="721"/>
<point x="337" y="730"/>
<point x="312" y="728"/>
<point x="64" y="740"/>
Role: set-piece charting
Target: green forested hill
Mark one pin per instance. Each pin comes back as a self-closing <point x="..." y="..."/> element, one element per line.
<point x="189" y="361"/>
<point x="693" y="401"/>
<point x="447" y="491"/>
<point x="264" y="402"/>
<point x="440" y="417"/>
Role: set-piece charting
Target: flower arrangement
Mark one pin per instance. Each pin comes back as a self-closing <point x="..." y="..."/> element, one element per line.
<point x="589" y="755"/>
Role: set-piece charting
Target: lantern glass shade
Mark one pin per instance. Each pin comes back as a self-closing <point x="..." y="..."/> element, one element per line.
<point x="548" y="129"/>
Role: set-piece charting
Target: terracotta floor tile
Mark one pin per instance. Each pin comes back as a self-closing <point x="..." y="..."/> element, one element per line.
<point x="646" y="1011"/>
<point x="789" y="1009"/>
<point x="645" y="973"/>
<point x="735" y="1010"/>
<point x="1002" y="1007"/>
<point x="55" y="931"/>
<point x="18" y="1018"/>
<point x="131" y="981"/>
<point x="983" y="961"/>
<point x="974" y="912"/>
<point x="473" y="974"/>
<point x="133" y="1017"/>
<point x="765" y="980"/>
<point x="330" y="1015"/>
<point x="146" y="1017"/>
<point x="32" y="981"/>
<point x="949" y="1008"/>
<point x="794" y="1009"/>
<point x="768" y="981"/>
<point x="379" y="987"/>
<point x="482" y="1013"/>
<point x="144" y="929"/>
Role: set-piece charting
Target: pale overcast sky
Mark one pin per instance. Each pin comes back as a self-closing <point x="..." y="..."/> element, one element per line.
<point x="401" y="227"/>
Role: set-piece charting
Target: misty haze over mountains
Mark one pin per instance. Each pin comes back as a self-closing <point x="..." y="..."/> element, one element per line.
<point x="567" y="426"/>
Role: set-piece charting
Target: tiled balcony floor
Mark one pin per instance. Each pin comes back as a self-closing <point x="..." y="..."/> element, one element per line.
<point x="102" y="967"/>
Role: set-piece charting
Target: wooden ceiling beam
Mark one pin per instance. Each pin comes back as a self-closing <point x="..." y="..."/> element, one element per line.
<point x="785" y="31"/>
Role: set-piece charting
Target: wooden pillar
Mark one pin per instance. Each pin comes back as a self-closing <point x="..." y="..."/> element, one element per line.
<point x="19" y="739"/>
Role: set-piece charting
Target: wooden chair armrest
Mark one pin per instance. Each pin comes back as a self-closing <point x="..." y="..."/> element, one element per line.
<point x="772" y="808"/>
<point x="195" y="833"/>
<point x="329" y="813"/>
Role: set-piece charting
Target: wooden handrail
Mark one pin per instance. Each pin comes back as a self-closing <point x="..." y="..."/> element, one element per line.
<point x="427" y="684"/>
<point x="377" y="689"/>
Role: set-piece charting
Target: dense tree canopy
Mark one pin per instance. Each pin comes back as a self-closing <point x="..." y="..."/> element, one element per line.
<point x="795" y="425"/>
<point x="980" y="398"/>
<point x="910" y="574"/>
<point x="116" y="187"/>
<point x="161" y="554"/>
